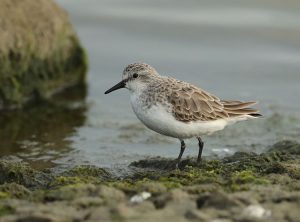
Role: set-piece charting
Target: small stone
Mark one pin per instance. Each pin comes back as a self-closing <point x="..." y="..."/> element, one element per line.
<point x="139" y="198"/>
<point x="256" y="211"/>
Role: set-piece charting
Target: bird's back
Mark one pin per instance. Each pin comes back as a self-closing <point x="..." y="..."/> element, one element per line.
<point x="190" y="103"/>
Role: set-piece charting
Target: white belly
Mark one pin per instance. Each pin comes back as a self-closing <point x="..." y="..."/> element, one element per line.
<point x="158" y="119"/>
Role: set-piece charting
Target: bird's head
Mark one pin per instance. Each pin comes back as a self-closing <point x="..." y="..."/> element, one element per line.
<point x="135" y="77"/>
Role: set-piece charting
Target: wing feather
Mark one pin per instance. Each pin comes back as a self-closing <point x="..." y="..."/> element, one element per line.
<point x="194" y="104"/>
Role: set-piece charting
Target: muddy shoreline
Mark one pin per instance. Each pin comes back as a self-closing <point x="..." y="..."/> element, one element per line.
<point x="241" y="187"/>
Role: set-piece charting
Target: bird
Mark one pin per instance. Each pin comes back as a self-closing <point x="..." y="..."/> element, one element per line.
<point x="179" y="109"/>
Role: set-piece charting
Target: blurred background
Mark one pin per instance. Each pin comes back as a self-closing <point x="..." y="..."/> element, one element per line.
<point x="243" y="50"/>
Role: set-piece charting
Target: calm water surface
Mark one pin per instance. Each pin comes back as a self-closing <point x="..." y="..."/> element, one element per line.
<point x="247" y="50"/>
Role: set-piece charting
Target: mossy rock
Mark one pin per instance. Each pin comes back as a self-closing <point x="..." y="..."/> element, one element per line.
<point x="286" y="147"/>
<point x="13" y="190"/>
<point x="40" y="53"/>
<point x="84" y="174"/>
<point x="20" y="173"/>
<point x="90" y="171"/>
<point x="238" y="172"/>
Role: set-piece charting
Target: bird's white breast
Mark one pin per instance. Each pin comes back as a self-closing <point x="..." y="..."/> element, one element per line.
<point x="161" y="120"/>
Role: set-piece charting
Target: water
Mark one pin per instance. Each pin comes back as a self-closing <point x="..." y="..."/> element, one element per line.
<point x="247" y="50"/>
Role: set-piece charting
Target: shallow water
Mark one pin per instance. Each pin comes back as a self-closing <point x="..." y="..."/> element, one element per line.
<point x="247" y="50"/>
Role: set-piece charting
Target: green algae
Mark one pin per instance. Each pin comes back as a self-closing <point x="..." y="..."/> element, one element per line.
<point x="90" y="171"/>
<point x="285" y="147"/>
<point x="243" y="180"/>
<point x="203" y="174"/>
<point x="193" y="176"/>
<point x="81" y="175"/>
<point x="246" y="176"/>
<point x="67" y="180"/>
<point x="213" y="172"/>
<point x="4" y="195"/>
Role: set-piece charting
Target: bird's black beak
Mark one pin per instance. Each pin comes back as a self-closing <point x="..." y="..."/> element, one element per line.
<point x="117" y="86"/>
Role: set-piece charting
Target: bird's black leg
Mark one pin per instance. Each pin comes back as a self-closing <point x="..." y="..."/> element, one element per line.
<point x="200" y="149"/>
<point x="182" y="148"/>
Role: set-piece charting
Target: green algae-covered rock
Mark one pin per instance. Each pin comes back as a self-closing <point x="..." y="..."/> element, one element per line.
<point x="241" y="187"/>
<point x="20" y="173"/>
<point x="39" y="52"/>
<point x="13" y="190"/>
<point x="83" y="174"/>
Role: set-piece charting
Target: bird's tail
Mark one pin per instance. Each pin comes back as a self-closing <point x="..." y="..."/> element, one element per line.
<point x="238" y="108"/>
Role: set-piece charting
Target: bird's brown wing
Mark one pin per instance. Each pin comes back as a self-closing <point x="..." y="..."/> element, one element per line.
<point x="193" y="104"/>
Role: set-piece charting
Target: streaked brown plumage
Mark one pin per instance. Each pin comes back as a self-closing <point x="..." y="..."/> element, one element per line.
<point x="194" y="104"/>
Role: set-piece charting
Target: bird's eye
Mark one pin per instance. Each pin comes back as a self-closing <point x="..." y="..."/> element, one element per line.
<point x="135" y="75"/>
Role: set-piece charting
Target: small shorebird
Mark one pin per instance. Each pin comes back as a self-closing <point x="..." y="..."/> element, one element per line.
<point x="178" y="109"/>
